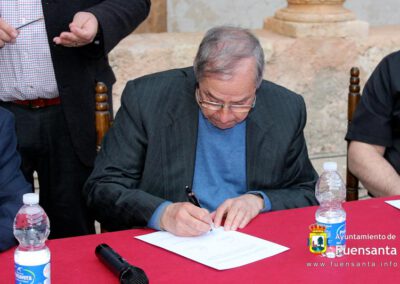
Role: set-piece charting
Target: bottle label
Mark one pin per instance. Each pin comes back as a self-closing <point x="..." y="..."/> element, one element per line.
<point x="38" y="274"/>
<point x="336" y="233"/>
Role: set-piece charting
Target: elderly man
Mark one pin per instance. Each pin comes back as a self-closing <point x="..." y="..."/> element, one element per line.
<point x="216" y="128"/>
<point x="374" y="152"/>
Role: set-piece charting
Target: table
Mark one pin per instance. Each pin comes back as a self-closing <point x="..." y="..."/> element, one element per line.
<point x="74" y="261"/>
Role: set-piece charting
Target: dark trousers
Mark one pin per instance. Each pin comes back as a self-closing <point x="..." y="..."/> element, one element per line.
<point x="45" y="146"/>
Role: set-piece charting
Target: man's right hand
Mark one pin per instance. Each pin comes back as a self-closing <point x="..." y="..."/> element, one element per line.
<point x="8" y="34"/>
<point x="185" y="220"/>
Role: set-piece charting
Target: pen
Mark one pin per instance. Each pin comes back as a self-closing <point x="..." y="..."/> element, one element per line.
<point x="28" y="23"/>
<point x="192" y="199"/>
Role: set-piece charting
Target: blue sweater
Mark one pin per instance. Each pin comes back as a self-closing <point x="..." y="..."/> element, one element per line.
<point x="220" y="167"/>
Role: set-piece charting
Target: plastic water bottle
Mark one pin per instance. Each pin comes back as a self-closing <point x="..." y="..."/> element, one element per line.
<point x="31" y="229"/>
<point x="330" y="192"/>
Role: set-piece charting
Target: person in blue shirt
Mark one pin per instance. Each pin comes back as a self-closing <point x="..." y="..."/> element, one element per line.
<point x="216" y="129"/>
<point x="12" y="181"/>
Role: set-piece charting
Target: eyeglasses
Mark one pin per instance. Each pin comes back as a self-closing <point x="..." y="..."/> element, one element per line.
<point x="217" y="106"/>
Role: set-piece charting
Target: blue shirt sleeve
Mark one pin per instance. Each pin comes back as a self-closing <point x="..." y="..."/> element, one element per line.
<point x="267" y="202"/>
<point x="12" y="182"/>
<point x="154" y="221"/>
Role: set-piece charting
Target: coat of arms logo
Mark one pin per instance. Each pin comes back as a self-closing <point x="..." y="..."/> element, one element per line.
<point x="317" y="241"/>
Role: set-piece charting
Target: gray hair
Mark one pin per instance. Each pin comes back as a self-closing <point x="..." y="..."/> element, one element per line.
<point x="221" y="50"/>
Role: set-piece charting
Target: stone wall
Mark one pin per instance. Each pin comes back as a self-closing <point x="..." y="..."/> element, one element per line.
<point x="200" y="15"/>
<point x="317" y="68"/>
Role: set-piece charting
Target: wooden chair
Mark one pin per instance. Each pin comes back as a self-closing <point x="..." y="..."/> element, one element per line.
<point x="353" y="99"/>
<point x="103" y="118"/>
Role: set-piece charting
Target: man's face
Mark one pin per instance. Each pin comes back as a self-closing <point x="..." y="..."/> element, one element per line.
<point x="239" y="90"/>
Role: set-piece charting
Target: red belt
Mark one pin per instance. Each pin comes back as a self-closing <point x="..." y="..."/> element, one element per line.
<point x="39" y="103"/>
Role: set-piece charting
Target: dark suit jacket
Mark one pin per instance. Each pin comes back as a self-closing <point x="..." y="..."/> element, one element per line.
<point x="12" y="182"/>
<point x="148" y="156"/>
<point x="78" y="69"/>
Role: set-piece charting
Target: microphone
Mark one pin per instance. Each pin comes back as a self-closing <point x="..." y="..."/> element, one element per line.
<point x="127" y="273"/>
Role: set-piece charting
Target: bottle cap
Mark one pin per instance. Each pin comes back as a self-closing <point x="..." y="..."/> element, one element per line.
<point x="30" y="198"/>
<point x="330" y="166"/>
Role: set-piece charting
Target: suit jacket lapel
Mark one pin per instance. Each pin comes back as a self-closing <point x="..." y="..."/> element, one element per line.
<point x="258" y="145"/>
<point x="180" y="138"/>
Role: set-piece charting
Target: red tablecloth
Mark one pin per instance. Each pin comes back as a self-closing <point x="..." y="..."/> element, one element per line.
<point x="73" y="259"/>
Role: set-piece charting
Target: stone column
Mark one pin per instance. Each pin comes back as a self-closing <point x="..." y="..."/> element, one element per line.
<point x="156" y="22"/>
<point x="319" y="18"/>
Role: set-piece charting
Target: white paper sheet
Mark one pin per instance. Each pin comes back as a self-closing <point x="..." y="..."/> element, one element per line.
<point x="218" y="249"/>
<point x="394" y="203"/>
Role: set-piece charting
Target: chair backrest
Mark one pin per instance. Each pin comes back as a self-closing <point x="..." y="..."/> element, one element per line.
<point x="103" y="120"/>
<point x="353" y="99"/>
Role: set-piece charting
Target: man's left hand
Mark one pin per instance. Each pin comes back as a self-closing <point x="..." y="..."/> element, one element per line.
<point x="83" y="30"/>
<point x="239" y="211"/>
